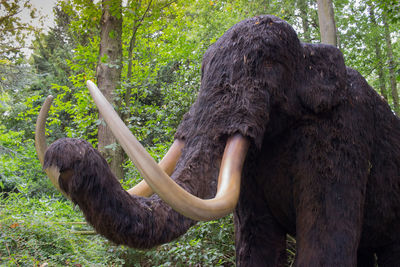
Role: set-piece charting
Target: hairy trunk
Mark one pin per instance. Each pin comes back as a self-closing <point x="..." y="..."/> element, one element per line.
<point x="391" y="64"/>
<point x="124" y="219"/>
<point x="326" y="20"/>
<point x="378" y="53"/>
<point x="108" y="76"/>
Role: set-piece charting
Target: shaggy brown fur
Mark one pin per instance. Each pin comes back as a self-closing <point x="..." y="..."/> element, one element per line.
<point x="324" y="163"/>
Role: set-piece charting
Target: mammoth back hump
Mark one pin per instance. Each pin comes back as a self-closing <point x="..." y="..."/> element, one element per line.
<point x="323" y="85"/>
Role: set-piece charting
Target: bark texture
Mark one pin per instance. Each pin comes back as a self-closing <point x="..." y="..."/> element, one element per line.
<point x="327" y="26"/>
<point x="108" y="76"/>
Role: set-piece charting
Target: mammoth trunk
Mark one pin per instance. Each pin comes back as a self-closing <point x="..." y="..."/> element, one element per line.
<point x="120" y="217"/>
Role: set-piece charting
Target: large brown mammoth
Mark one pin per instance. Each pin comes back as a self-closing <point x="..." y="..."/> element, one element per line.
<point x="282" y="134"/>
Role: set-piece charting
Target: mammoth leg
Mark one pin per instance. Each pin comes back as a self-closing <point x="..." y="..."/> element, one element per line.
<point x="329" y="191"/>
<point x="260" y="241"/>
<point x="328" y="226"/>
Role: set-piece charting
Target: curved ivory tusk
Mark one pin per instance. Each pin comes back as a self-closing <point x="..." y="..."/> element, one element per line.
<point x="168" y="164"/>
<point x="40" y="143"/>
<point x="180" y="200"/>
<point x="40" y="137"/>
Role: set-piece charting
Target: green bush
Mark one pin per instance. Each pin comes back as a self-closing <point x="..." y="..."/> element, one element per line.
<point x="205" y="244"/>
<point x="20" y="170"/>
<point x="45" y="230"/>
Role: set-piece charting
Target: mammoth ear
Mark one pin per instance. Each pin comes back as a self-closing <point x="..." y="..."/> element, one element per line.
<point x="324" y="83"/>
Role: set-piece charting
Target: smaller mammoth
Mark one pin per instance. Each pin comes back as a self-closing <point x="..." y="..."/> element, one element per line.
<point x="282" y="133"/>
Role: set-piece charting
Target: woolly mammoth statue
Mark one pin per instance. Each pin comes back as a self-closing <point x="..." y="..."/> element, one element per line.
<point x="282" y="134"/>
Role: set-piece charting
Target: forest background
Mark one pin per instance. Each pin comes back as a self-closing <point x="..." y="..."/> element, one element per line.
<point x="162" y="44"/>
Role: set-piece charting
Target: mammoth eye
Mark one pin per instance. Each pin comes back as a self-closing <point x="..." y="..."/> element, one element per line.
<point x="269" y="64"/>
<point x="274" y="70"/>
<point x="272" y="65"/>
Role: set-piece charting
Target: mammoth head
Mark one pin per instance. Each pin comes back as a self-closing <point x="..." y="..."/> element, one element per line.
<point x="259" y="67"/>
<point x="258" y="70"/>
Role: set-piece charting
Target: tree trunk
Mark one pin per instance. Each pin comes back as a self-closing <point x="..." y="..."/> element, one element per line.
<point x="378" y="53"/>
<point x="391" y="64"/>
<point x="108" y="77"/>
<point x="326" y="20"/>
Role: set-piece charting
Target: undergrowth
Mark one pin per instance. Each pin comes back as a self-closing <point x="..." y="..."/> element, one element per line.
<point x="48" y="230"/>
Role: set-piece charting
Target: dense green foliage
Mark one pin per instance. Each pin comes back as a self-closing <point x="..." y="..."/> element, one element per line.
<point x="48" y="229"/>
<point x="163" y="43"/>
